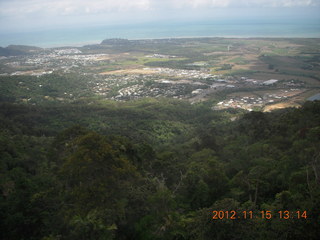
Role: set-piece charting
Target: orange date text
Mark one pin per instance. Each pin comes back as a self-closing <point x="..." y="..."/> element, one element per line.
<point x="283" y="214"/>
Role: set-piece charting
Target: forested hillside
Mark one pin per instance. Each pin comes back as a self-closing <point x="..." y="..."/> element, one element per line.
<point x="158" y="169"/>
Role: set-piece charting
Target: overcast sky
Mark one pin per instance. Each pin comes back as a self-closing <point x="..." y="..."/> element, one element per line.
<point x="24" y="15"/>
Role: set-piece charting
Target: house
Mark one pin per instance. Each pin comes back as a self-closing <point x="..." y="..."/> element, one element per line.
<point x="270" y="82"/>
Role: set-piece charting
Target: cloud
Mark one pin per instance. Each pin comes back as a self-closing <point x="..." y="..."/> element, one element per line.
<point x="70" y="7"/>
<point x="24" y="14"/>
<point x="279" y="3"/>
<point x="85" y="7"/>
<point x="202" y="3"/>
<point x="244" y="3"/>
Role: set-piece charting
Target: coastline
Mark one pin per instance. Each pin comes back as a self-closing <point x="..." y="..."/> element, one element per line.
<point x="97" y="42"/>
<point x="94" y="35"/>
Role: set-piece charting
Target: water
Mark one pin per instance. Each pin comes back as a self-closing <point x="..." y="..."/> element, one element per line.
<point x="94" y="35"/>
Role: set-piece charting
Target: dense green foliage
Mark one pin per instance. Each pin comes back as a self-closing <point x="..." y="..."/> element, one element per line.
<point x="156" y="169"/>
<point x="43" y="89"/>
<point x="17" y="50"/>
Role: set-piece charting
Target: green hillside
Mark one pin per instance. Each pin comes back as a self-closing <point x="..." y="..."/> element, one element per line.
<point x="158" y="169"/>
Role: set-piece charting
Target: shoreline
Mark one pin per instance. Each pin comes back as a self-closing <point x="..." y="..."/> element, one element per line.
<point x="98" y="42"/>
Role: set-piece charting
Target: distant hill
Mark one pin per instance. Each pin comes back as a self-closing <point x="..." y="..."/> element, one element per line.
<point x="115" y="41"/>
<point x="18" y="50"/>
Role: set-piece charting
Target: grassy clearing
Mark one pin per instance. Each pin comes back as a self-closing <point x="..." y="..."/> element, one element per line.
<point x="144" y="60"/>
<point x="241" y="72"/>
<point x="239" y="60"/>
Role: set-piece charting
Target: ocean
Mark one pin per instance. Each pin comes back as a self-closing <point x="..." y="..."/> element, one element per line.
<point x="93" y="35"/>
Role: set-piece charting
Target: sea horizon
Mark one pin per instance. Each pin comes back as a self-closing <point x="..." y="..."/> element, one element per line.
<point x="77" y="37"/>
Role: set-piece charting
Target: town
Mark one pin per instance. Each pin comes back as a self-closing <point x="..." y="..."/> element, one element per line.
<point x="129" y="75"/>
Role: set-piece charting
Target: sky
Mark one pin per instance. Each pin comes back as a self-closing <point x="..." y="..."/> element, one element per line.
<point x="27" y="15"/>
